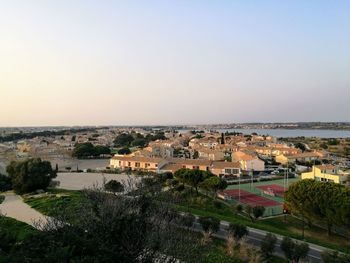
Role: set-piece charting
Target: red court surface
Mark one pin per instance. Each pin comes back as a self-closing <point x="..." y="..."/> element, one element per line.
<point x="250" y="198"/>
<point x="276" y="189"/>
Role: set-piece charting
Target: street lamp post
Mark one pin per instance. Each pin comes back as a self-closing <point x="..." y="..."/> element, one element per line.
<point x="239" y="186"/>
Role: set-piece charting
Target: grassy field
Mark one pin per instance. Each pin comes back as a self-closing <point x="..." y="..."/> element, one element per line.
<point x="57" y="199"/>
<point x="19" y="229"/>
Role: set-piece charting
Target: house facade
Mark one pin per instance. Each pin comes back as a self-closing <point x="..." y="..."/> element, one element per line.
<point x="326" y="173"/>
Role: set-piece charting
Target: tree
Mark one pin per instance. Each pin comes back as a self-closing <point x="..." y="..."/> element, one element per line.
<point x="5" y="183"/>
<point x="139" y="142"/>
<point x="258" y="211"/>
<point x="114" y="186"/>
<point x="124" y="151"/>
<point x="195" y="177"/>
<point x="83" y="150"/>
<point x="348" y="180"/>
<point x="123" y="140"/>
<point x="102" y="150"/>
<point x="87" y="150"/>
<point x="187" y="220"/>
<point x="300" y="146"/>
<point x="213" y="184"/>
<point x="109" y="228"/>
<point x="209" y="224"/>
<point x="294" y="251"/>
<point x="333" y="141"/>
<point x="326" y="202"/>
<point x="249" y="209"/>
<point x="30" y="175"/>
<point x="237" y="230"/>
<point x="267" y="245"/>
<point x="239" y="208"/>
<point x="181" y="175"/>
<point x="335" y="257"/>
<point x="222" y="138"/>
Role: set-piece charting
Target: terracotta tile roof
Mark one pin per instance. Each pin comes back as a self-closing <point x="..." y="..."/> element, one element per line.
<point x="190" y="161"/>
<point x="138" y="159"/>
<point x="325" y="167"/>
<point x="223" y="165"/>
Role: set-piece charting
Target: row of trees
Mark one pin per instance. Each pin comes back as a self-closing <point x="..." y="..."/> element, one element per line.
<point x="27" y="176"/>
<point x="88" y="150"/>
<point x="137" y="139"/>
<point x="20" y="136"/>
<point x="323" y="202"/>
<point x="203" y="179"/>
<point x="293" y="250"/>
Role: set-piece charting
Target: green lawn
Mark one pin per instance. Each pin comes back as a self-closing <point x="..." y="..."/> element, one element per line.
<point x="18" y="229"/>
<point x="58" y="199"/>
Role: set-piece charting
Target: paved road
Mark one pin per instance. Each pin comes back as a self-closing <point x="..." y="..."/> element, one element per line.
<point x="255" y="237"/>
<point x="13" y="206"/>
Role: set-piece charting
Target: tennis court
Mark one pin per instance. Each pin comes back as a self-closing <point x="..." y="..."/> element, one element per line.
<point x="272" y="189"/>
<point x="249" y="198"/>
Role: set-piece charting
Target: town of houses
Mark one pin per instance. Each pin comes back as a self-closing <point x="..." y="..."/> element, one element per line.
<point x="230" y="155"/>
<point x="225" y="155"/>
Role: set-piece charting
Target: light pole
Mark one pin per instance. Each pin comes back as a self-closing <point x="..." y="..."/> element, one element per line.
<point x="287" y="174"/>
<point x="239" y="186"/>
<point x="251" y="176"/>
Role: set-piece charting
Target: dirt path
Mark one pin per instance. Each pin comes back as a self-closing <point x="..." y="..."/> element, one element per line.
<point x="13" y="206"/>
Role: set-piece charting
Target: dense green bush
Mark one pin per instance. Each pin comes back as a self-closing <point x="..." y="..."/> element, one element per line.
<point x="30" y="175"/>
<point x="5" y="183"/>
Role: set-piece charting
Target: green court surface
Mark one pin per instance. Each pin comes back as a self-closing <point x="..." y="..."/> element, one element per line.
<point x="252" y="188"/>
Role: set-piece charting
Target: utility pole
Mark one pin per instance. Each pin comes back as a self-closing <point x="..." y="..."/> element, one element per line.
<point x="239" y="186"/>
<point x="287" y="174"/>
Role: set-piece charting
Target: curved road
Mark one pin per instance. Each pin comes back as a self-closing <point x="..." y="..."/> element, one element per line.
<point x="13" y="206"/>
<point x="255" y="236"/>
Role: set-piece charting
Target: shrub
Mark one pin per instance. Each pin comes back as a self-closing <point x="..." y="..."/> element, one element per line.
<point x="5" y="183"/>
<point x="30" y="175"/>
<point x="268" y="244"/>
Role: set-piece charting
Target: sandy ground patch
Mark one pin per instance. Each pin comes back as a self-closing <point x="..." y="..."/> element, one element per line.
<point x="79" y="181"/>
<point x="13" y="206"/>
<point x="80" y="164"/>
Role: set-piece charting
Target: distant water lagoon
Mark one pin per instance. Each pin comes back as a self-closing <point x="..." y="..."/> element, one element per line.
<point x="291" y="133"/>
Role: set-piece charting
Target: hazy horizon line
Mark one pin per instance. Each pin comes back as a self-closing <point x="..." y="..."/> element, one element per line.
<point x="172" y="125"/>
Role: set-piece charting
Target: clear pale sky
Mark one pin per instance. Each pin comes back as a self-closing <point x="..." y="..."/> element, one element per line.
<point x="173" y="62"/>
